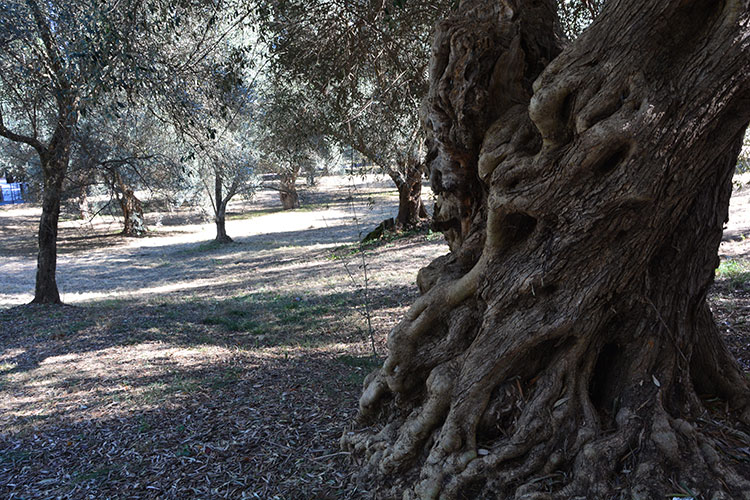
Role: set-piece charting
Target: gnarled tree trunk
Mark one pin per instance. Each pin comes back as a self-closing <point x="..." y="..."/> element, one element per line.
<point x="288" y="189"/>
<point x="408" y="180"/>
<point x="132" y="209"/>
<point x="562" y="349"/>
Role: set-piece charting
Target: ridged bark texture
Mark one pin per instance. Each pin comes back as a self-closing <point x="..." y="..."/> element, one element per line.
<point x="53" y="167"/>
<point x="408" y="180"/>
<point x="288" y="189"/>
<point x="564" y="348"/>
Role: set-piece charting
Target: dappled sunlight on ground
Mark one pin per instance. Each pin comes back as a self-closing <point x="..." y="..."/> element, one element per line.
<point x="183" y="369"/>
<point x="165" y="262"/>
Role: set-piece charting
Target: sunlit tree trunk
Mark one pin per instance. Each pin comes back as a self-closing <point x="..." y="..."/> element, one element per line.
<point x="220" y="209"/>
<point x="408" y="181"/>
<point x="564" y="348"/>
<point x="288" y="188"/>
<point x="132" y="209"/>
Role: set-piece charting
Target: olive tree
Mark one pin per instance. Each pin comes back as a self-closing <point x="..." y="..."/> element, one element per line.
<point x="59" y="60"/>
<point x="564" y="347"/>
<point x="361" y="68"/>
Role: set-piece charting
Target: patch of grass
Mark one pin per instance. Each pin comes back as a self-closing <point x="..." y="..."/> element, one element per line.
<point x="361" y="367"/>
<point x="143" y="425"/>
<point x="160" y="390"/>
<point x="385" y="240"/>
<point x="205" y="247"/>
<point x="14" y="456"/>
<point x="186" y="386"/>
<point x="94" y="475"/>
<point x="155" y="392"/>
<point x="301" y="319"/>
<point x="430" y="236"/>
<point x="61" y="330"/>
<point x="110" y="303"/>
<point x="227" y="378"/>
<point x="251" y="214"/>
<point x="737" y="272"/>
<point x="234" y="320"/>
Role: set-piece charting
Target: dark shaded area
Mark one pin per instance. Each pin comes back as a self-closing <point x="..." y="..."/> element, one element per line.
<point x="222" y="429"/>
<point x="248" y="321"/>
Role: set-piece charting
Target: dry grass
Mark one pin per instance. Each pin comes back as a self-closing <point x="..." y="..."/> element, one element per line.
<point x="186" y="370"/>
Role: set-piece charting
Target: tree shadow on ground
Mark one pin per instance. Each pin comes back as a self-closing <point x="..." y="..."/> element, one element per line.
<point x="305" y="318"/>
<point x="240" y="424"/>
<point x="125" y="270"/>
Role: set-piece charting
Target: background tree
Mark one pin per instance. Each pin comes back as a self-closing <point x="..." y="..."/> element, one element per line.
<point x="361" y="67"/>
<point x="227" y="169"/>
<point x="127" y="152"/>
<point x="564" y="348"/>
<point x="288" y="139"/>
<point x="221" y="135"/>
<point x="60" y="59"/>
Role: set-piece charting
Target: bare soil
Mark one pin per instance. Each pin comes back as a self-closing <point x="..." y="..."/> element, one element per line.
<point x="183" y="369"/>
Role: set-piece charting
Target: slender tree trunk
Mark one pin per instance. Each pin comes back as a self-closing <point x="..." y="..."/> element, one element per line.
<point x="84" y="208"/>
<point x="288" y="189"/>
<point x="221" y="231"/>
<point x="411" y="210"/>
<point x="53" y="168"/>
<point x="564" y="348"/>
<point x="220" y="206"/>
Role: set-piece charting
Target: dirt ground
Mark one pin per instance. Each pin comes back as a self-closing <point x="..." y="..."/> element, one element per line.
<point x="180" y="369"/>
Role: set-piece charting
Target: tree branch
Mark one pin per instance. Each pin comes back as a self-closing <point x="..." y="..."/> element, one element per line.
<point x="52" y="52"/>
<point x="31" y="141"/>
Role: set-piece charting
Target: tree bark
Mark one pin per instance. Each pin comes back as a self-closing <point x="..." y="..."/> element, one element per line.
<point x="411" y="210"/>
<point x="84" y="208"/>
<point x="54" y="165"/>
<point x="220" y="206"/>
<point x="564" y="348"/>
<point x="54" y="157"/>
<point x="221" y="231"/>
<point x="132" y="209"/>
<point x="288" y="189"/>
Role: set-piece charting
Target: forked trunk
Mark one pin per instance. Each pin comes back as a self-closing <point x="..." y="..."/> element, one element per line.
<point x="132" y="209"/>
<point x="288" y="189"/>
<point x="411" y="210"/>
<point x="220" y="207"/>
<point x="53" y="169"/>
<point x="564" y="348"/>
